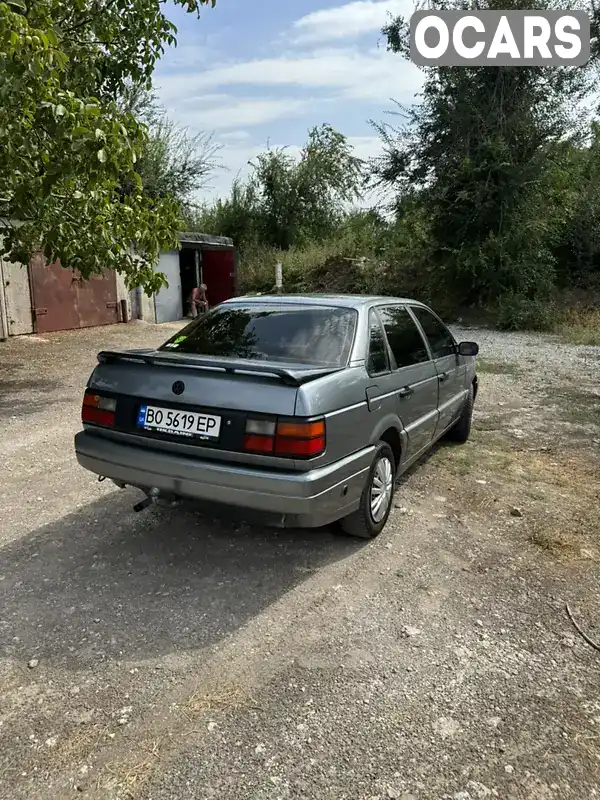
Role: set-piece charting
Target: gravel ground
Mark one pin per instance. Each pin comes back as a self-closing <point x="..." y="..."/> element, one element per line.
<point x="168" y="656"/>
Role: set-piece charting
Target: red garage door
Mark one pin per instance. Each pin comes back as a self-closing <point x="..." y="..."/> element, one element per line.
<point x="62" y="300"/>
<point x="218" y="273"/>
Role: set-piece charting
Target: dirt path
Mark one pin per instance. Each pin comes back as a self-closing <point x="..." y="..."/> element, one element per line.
<point x="177" y="657"/>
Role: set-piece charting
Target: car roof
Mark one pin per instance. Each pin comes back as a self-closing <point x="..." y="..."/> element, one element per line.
<point x="341" y="300"/>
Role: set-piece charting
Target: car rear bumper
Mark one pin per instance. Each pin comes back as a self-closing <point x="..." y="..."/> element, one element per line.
<point x="303" y="499"/>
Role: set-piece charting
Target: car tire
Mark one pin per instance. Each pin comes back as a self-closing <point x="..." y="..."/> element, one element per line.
<point x="368" y="520"/>
<point x="461" y="430"/>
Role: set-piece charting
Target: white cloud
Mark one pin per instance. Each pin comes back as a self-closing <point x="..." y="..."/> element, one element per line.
<point x="189" y="107"/>
<point x="365" y="147"/>
<point x="235" y="136"/>
<point x="331" y="76"/>
<point x="350" y="20"/>
<point x="233" y="112"/>
<point x="189" y="55"/>
<point x="374" y="76"/>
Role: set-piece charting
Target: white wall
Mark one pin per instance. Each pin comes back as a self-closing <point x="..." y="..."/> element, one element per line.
<point x="168" y="301"/>
<point x="15" y="299"/>
<point x="134" y="299"/>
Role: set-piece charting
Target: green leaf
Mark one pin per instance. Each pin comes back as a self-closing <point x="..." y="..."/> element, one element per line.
<point x="59" y="122"/>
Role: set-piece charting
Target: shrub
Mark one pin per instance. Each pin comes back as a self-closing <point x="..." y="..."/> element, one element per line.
<point x="516" y="312"/>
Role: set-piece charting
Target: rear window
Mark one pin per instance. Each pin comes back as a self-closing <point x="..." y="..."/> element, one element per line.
<point x="315" y="335"/>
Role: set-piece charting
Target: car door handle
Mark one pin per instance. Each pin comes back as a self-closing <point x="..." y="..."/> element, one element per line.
<point x="442" y="376"/>
<point x="406" y="392"/>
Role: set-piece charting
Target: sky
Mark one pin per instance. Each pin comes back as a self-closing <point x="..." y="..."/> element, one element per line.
<point x="263" y="73"/>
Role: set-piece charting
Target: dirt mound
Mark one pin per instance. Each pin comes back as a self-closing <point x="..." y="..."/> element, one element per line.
<point x="347" y="275"/>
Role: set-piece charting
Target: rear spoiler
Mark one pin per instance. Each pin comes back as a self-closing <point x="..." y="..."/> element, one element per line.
<point x="289" y="376"/>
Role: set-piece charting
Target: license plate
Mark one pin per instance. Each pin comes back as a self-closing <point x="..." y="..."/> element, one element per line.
<point x="179" y="423"/>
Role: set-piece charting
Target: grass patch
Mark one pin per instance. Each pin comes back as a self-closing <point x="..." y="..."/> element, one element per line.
<point x="489" y="367"/>
<point x="202" y="703"/>
<point x="555" y="541"/>
<point x="488" y="453"/>
<point x="569" y="534"/>
<point x="576" y="406"/>
<point x="132" y="778"/>
<point x="458" y="461"/>
<point x="581" y="327"/>
<point x="491" y="422"/>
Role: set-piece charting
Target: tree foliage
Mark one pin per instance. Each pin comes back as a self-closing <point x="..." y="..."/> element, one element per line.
<point x="578" y="251"/>
<point x="67" y="146"/>
<point x="484" y="152"/>
<point x="495" y="172"/>
<point x="290" y="201"/>
<point x="173" y="162"/>
<point x="495" y="180"/>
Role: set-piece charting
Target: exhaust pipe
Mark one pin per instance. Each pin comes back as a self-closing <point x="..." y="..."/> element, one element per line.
<point x="151" y="497"/>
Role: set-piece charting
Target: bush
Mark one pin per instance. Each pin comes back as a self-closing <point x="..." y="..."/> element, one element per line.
<point x="330" y="266"/>
<point x="519" y="313"/>
<point x="581" y="326"/>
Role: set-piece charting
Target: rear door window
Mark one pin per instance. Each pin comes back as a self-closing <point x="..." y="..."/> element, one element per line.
<point x="440" y="339"/>
<point x="315" y="335"/>
<point x="377" y="359"/>
<point x="405" y="340"/>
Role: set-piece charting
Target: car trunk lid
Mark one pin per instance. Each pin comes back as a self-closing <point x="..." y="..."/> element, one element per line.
<point x="228" y="391"/>
<point x="222" y="383"/>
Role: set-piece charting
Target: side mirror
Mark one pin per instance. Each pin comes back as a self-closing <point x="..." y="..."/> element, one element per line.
<point x="468" y="349"/>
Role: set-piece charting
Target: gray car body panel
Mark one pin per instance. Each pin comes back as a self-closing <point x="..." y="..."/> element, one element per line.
<point x="411" y="403"/>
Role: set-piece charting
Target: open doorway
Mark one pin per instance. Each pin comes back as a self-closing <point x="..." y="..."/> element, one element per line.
<point x="189" y="273"/>
<point x="213" y="266"/>
<point x="200" y="259"/>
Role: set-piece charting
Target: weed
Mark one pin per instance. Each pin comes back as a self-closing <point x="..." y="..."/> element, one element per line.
<point x="553" y="540"/>
<point x="581" y="327"/>
<point x="203" y="702"/>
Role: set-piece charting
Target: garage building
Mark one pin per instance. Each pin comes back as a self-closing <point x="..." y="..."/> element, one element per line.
<point x="40" y="297"/>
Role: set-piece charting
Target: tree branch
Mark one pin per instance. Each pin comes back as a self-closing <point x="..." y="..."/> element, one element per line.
<point x="583" y="635"/>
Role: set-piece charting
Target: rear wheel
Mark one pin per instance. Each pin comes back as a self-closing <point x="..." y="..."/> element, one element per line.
<point x="369" y="519"/>
<point x="461" y="429"/>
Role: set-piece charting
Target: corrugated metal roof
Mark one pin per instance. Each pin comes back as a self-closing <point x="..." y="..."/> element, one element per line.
<point x="191" y="237"/>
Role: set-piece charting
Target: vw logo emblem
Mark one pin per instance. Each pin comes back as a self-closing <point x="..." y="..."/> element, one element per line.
<point x="178" y="387"/>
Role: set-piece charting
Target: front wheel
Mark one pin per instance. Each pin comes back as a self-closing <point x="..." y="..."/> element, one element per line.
<point x="461" y="430"/>
<point x="369" y="519"/>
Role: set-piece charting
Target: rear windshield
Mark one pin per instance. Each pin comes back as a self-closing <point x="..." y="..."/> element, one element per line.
<point x="316" y="335"/>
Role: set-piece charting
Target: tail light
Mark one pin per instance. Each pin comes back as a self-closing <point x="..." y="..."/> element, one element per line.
<point x="285" y="438"/>
<point x="260" y="435"/>
<point x="98" y="410"/>
<point x="300" y="439"/>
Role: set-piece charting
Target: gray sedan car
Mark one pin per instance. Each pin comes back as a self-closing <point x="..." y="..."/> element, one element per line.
<point x="305" y="409"/>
